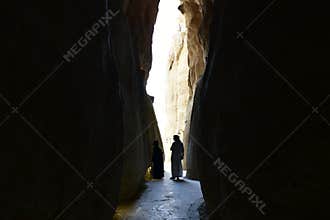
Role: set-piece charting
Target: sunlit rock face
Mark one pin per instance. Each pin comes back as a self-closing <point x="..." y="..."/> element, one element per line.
<point x="197" y="17"/>
<point x="177" y="89"/>
<point x="186" y="66"/>
<point x="246" y="114"/>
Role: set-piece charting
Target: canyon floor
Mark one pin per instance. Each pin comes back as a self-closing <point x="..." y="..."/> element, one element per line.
<point x="164" y="199"/>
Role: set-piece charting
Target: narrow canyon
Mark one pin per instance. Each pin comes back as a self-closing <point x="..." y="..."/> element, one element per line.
<point x="247" y="84"/>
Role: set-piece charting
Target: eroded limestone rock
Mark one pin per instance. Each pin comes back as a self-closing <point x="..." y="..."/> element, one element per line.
<point x="132" y="46"/>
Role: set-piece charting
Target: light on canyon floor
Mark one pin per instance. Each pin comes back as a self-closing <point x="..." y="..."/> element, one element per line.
<point x="164" y="199"/>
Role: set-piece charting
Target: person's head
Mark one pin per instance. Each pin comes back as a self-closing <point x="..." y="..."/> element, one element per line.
<point x="176" y="138"/>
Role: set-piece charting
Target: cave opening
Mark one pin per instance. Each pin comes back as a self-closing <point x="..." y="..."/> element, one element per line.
<point x="168" y="78"/>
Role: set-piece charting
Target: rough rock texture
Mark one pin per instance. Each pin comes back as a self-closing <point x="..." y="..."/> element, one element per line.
<point x="177" y="89"/>
<point x="247" y="112"/>
<point x="197" y="15"/>
<point x="141" y="16"/>
<point x="186" y="66"/>
<point x="66" y="153"/>
<point x="139" y="121"/>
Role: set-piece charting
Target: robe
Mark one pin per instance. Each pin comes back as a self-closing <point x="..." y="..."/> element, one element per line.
<point x="157" y="163"/>
<point x="177" y="156"/>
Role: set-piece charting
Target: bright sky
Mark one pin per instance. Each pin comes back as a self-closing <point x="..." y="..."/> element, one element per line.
<point x="165" y="28"/>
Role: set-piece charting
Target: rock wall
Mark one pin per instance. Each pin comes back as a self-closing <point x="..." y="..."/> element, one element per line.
<point x="83" y="138"/>
<point x="177" y="89"/>
<point x="141" y="17"/>
<point x="186" y="66"/>
<point x="70" y="125"/>
<point x="197" y="17"/>
<point x="63" y="122"/>
<point x="254" y="111"/>
<point x="131" y="45"/>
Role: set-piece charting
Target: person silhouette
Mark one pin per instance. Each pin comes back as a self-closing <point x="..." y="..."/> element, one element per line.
<point x="176" y="157"/>
<point x="157" y="162"/>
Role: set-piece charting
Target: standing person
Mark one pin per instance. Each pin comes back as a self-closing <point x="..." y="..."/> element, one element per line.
<point x="177" y="156"/>
<point x="157" y="162"/>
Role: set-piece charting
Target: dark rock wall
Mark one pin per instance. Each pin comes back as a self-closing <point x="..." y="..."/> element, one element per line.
<point x="252" y="112"/>
<point x="141" y="15"/>
<point x="69" y="130"/>
<point x="140" y="125"/>
<point x="62" y="156"/>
